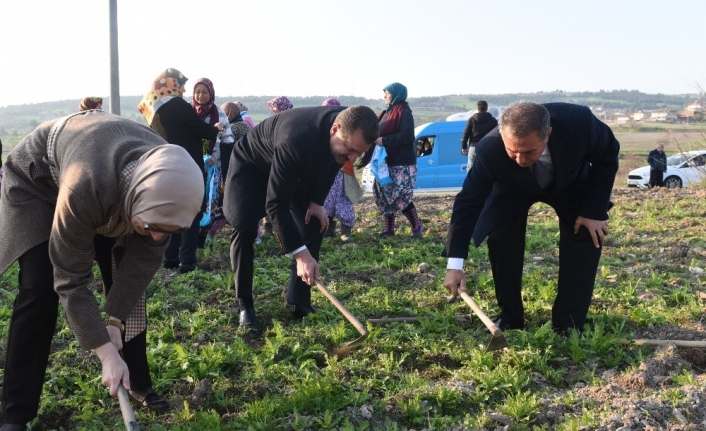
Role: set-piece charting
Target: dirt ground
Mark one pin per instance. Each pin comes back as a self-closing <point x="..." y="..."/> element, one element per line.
<point x="638" y="395"/>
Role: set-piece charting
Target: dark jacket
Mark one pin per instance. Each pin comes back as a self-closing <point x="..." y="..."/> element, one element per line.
<point x="178" y="124"/>
<point x="400" y="146"/>
<point x="657" y="160"/>
<point x="478" y="126"/>
<point x="291" y="154"/>
<point x="584" y="155"/>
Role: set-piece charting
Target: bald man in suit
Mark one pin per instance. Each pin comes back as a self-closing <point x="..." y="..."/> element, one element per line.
<point x="556" y="153"/>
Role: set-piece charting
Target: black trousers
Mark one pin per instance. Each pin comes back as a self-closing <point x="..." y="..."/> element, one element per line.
<point x="578" y="262"/>
<point x="134" y="351"/>
<point x="183" y="246"/>
<point x="656" y="178"/>
<point x="226" y="152"/>
<point x="32" y="327"/>
<point x="244" y="206"/>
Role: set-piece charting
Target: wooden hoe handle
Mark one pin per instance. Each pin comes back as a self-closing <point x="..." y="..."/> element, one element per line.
<point x="492" y="327"/>
<point x="348" y="315"/>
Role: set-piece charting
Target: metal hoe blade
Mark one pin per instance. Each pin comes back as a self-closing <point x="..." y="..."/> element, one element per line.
<point x="498" y="341"/>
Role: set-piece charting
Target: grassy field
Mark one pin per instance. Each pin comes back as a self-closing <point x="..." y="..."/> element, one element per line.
<point x="432" y="375"/>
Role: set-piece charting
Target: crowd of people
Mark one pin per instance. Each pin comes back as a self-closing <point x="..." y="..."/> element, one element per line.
<point x="133" y="198"/>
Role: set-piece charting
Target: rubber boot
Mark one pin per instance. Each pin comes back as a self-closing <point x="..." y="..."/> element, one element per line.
<point x="411" y="213"/>
<point x="331" y="231"/>
<point x="389" y="227"/>
<point x="345" y="232"/>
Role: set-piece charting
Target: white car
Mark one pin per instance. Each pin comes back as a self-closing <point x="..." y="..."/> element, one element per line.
<point x="683" y="169"/>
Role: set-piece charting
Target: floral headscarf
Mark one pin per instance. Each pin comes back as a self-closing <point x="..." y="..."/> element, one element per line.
<point x="168" y="84"/>
<point x="398" y="92"/>
<point x="281" y="103"/>
<point x="331" y="102"/>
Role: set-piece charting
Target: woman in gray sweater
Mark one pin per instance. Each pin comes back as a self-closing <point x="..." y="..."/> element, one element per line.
<point x="70" y="179"/>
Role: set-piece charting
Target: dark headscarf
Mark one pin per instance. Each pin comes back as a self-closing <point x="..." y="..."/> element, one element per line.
<point x="209" y="108"/>
<point x="90" y="103"/>
<point x="398" y="92"/>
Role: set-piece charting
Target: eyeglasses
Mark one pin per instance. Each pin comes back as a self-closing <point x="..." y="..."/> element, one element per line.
<point x="147" y="227"/>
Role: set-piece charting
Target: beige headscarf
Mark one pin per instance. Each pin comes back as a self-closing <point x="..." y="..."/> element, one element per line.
<point x="166" y="187"/>
<point x="231" y="109"/>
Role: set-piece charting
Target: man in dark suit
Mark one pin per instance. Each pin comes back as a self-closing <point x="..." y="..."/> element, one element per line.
<point x="556" y="153"/>
<point x="284" y="168"/>
<point x="658" y="166"/>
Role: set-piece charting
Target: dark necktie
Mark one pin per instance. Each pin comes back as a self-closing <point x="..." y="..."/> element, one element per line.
<point x="544" y="176"/>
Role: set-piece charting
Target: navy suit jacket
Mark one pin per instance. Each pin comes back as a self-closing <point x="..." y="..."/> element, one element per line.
<point x="290" y="154"/>
<point x="584" y="154"/>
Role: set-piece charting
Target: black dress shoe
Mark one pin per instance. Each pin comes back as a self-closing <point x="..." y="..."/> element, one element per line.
<point x="13" y="427"/>
<point x="249" y="322"/>
<point x="185" y="267"/>
<point x="150" y="399"/>
<point x="171" y="263"/>
<point x="504" y="326"/>
<point x="302" y="310"/>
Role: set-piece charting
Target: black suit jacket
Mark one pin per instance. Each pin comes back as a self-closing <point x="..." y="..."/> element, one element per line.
<point x="584" y="154"/>
<point x="291" y="153"/>
<point x="178" y="124"/>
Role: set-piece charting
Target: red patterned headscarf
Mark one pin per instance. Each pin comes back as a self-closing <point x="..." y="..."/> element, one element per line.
<point x="209" y="108"/>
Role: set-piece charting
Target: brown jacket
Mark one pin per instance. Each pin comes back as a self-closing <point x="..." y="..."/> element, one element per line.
<point x="91" y="151"/>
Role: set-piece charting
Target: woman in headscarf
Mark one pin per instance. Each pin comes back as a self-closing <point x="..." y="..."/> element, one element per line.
<point x="397" y="136"/>
<point x="338" y="204"/>
<point x="90" y="103"/>
<point x="203" y="103"/>
<point x="86" y="174"/>
<point x="279" y="104"/>
<point x="166" y="111"/>
<point x="244" y="113"/>
<point x="238" y="127"/>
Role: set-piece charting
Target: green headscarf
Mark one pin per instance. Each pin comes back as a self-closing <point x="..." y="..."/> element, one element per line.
<point x="398" y="92"/>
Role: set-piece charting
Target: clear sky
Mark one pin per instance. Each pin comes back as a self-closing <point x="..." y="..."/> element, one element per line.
<point x="53" y="50"/>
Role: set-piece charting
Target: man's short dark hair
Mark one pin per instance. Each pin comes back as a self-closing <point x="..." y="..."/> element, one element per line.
<point x="482" y="106"/>
<point x="359" y="117"/>
<point x="521" y="119"/>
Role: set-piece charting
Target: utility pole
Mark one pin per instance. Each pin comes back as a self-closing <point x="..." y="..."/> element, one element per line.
<point x="114" y="67"/>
